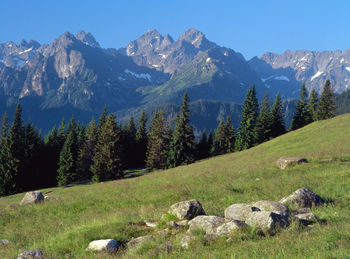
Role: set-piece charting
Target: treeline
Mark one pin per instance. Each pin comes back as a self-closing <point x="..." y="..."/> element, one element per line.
<point x="103" y="150"/>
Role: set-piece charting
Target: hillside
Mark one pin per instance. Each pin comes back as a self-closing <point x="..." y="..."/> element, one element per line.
<point x="64" y="228"/>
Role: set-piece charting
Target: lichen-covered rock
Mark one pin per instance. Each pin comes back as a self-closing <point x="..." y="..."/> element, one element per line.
<point x="272" y="206"/>
<point x="285" y="162"/>
<point x="150" y="224"/>
<point x="303" y="198"/>
<point x="226" y="228"/>
<point x="32" y="197"/>
<point x="4" y="242"/>
<point x="239" y="211"/>
<point x="305" y="216"/>
<point x="137" y="242"/>
<point x="268" y="222"/>
<point x="186" y="241"/>
<point x="32" y="254"/>
<point x="109" y="245"/>
<point x="187" y="209"/>
<point x="208" y="224"/>
<point x="182" y="223"/>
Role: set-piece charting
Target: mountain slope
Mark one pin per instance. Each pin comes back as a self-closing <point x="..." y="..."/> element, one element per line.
<point x="114" y="209"/>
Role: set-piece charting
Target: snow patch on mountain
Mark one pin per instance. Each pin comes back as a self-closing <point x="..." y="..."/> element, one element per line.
<point x="283" y="78"/>
<point x="348" y="69"/>
<point x="142" y="75"/>
<point x="316" y="75"/>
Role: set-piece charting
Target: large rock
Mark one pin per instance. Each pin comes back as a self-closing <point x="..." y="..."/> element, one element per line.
<point x="303" y="198"/>
<point x="32" y="254"/>
<point x="268" y="222"/>
<point x="272" y="206"/>
<point x="285" y="162"/>
<point x="239" y="211"/>
<point x="187" y="209"/>
<point x="137" y="242"/>
<point x="32" y="197"/>
<point x="226" y="228"/>
<point x="109" y="245"/>
<point x="207" y="223"/>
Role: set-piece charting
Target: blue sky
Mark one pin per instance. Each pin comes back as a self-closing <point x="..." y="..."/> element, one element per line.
<point x="250" y="27"/>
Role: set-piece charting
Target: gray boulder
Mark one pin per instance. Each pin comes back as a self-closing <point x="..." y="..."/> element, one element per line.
<point x="137" y="242"/>
<point x="303" y="198"/>
<point x="187" y="209"/>
<point x="268" y="222"/>
<point x="226" y="228"/>
<point x="186" y="241"/>
<point x="207" y="223"/>
<point x="32" y="197"/>
<point x="109" y="245"/>
<point x="285" y="162"/>
<point x="239" y="211"/>
<point x="305" y="216"/>
<point x="32" y="254"/>
<point x="272" y="206"/>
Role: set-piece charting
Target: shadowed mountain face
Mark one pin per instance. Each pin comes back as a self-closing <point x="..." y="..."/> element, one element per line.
<point x="286" y="72"/>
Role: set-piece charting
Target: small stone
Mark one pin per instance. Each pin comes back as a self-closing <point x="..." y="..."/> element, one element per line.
<point x="172" y="224"/>
<point x="109" y="245"/>
<point x="51" y="198"/>
<point x="182" y="223"/>
<point x="4" y="242"/>
<point x="285" y="162"/>
<point x="167" y="246"/>
<point x="32" y="254"/>
<point x="163" y="232"/>
<point x="137" y="242"/>
<point x="32" y="197"/>
<point x="187" y="209"/>
<point x="186" y="241"/>
<point x="303" y="198"/>
<point x="305" y="216"/>
<point x="151" y="224"/>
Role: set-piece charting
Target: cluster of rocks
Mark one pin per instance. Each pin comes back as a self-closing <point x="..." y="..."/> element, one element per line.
<point x="285" y="162"/>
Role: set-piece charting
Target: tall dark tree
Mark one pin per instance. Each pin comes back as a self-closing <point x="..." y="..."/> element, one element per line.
<point x="301" y="114"/>
<point x="277" y="126"/>
<point x="12" y="155"/>
<point x="203" y="146"/>
<point x="326" y="107"/>
<point x="247" y="130"/>
<point x="312" y="105"/>
<point x="141" y="141"/>
<point x="219" y="142"/>
<point x="230" y="135"/>
<point x="4" y="128"/>
<point x="106" y="162"/>
<point x="129" y="144"/>
<point x="158" y="142"/>
<point x="264" y="123"/>
<point x="183" y="145"/>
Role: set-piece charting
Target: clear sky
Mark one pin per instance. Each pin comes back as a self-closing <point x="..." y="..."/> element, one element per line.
<point x="251" y="27"/>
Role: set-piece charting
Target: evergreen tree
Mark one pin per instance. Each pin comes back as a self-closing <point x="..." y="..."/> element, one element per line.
<point x="247" y="130"/>
<point x="67" y="165"/>
<point x="129" y="144"/>
<point x="230" y="135"/>
<point x="102" y="118"/>
<point x="277" y="126"/>
<point x="12" y="155"/>
<point x="312" y="105"/>
<point x="264" y="123"/>
<point x="203" y="146"/>
<point x="158" y="141"/>
<point x="61" y="134"/>
<point x="210" y="142"/>
<point x="106" y="162"/>
<point x="183" y="145"/>
<point x="141" y="141"/>
<point x="220" y="142"/>
<point x="4" y="128"/>
<point x="326" y="107"/>
<point x="301" y="115"/>
<point x="87" y="151"/>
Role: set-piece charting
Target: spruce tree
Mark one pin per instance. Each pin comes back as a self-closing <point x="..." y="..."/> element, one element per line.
<point x="158" y="142"/>
<point x="264" y="123"/>
<point x="312" y="105"/>
<point x="4" y="128"/>
<point x="203" y="149"/>
<point x="183" y="145"/>
<point x="12" y="156"/>
<point x="247" y="131"/>
<point x="219" y="142"/>
<point x="129" y="144"/>
<point x="230" y="135"/>
<point x="301" y="114"/>
<point x="106" y="162"/>
<point x="141" y="141"/>
<point x="326" y="107"/>
<point x="277" y="126"/>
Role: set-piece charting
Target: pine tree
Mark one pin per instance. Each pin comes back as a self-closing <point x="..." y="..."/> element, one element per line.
<point x="219" y="142"/>
<point x="106" y="162"/>
<point x="158" y="143"/>
<point x="312" y="105"/>
<point x="230" y="135"/>
<point x="210" y="142"/>
<point x="4" y="128"/>
<point x="301" y="115"/>
<point x="247" y="130"/>
<point x="326" y="107"/>
<point x="183" y="145"/>
<point x="203" y="148"/>
<point x="129" y="144"/>
<point x="264" y="123"/>
<point x="141" y="141"/>
<point x="277" y="126"/>
<point x="12" y="155"/>
<point x="102" y="118"/>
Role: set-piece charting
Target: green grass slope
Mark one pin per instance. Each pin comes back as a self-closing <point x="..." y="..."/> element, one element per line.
<point x="63" y="229"/>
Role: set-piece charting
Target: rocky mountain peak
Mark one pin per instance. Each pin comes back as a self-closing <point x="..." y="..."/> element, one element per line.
<point x="195" y="37"/>
<point x="87" y="38"/>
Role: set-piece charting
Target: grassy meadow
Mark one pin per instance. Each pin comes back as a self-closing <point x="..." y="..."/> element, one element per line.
<point x="64" y="228"/>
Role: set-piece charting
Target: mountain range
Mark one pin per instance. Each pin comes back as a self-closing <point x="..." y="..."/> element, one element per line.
<point x="75" y="75"/>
